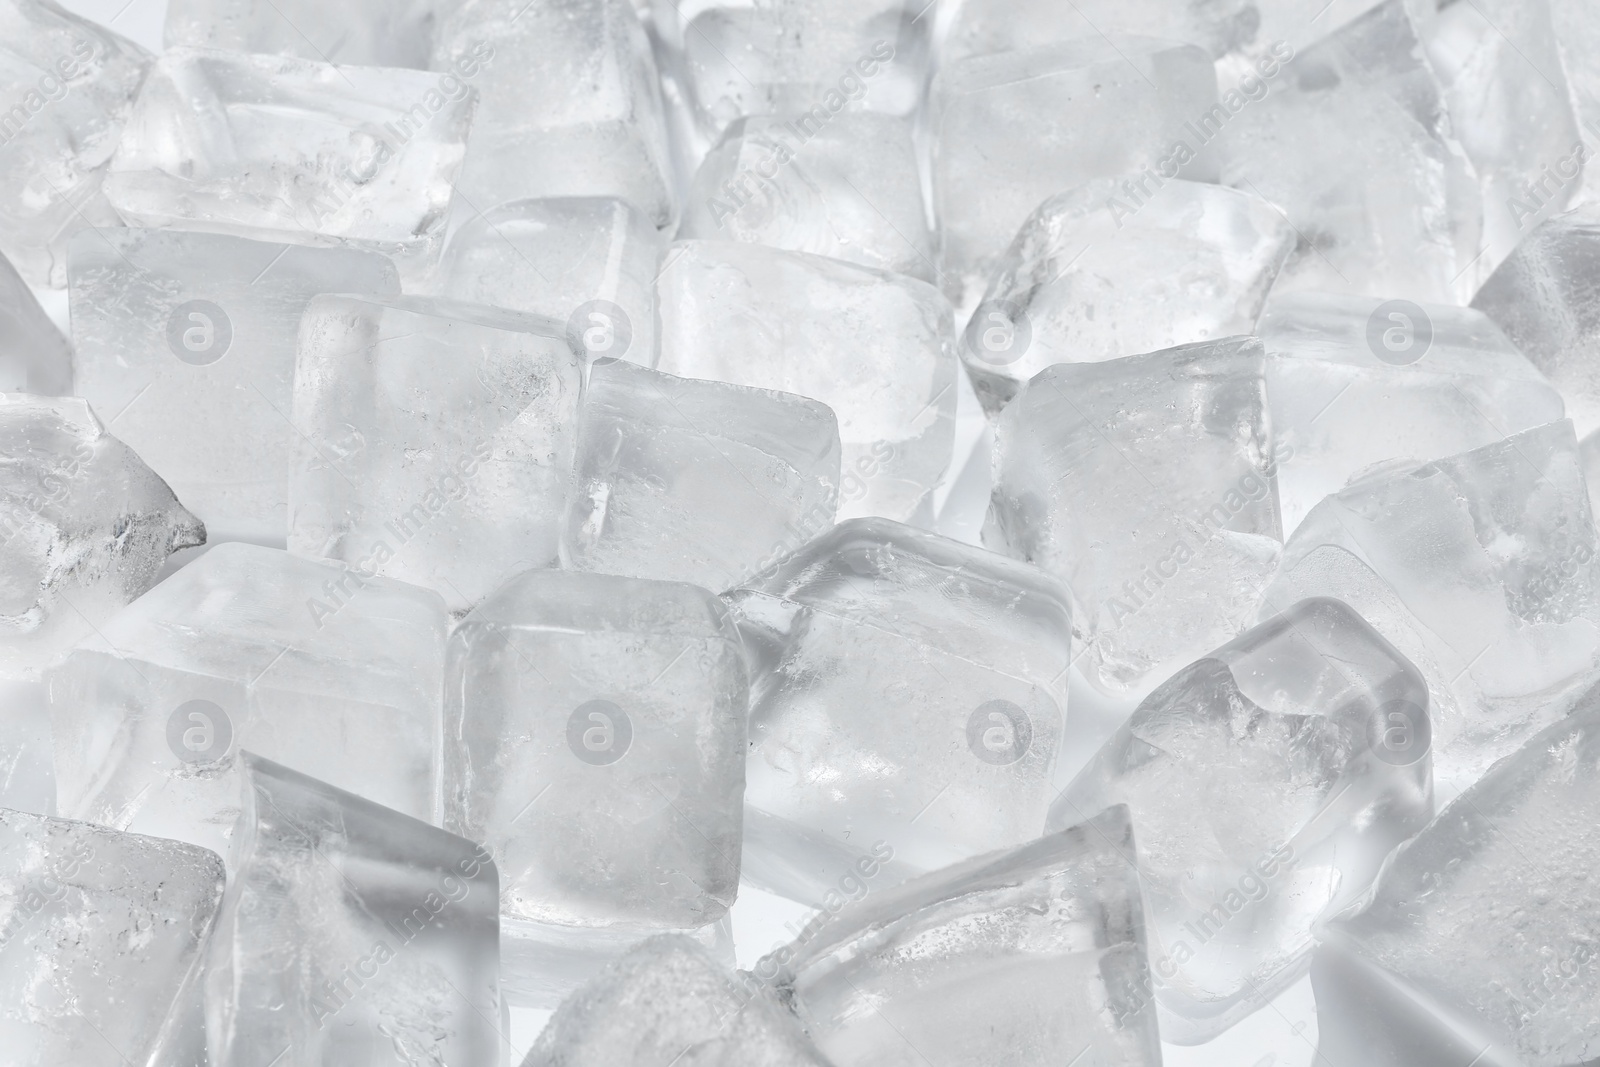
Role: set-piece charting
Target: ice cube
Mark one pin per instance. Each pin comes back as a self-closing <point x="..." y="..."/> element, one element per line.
<point x="588" y="262"/>
<point x="908" y="693"/>
<point x="374" y="33"/>
<point x="696" y="481"/>
<point x="434" y="440"/>
<point x="1577" y="33"/>
<point x="878" y="348"/>
<point x="327" y="669"/>
<point x="668" y="1003"/>
<point x="1146" y="484"/>
<point x="350" y="935"/>
<point x="34" y="357"/>
<point x="597" y="748"/>
<point x="1479" y="943"/>
<point x="101" y="937"/>
<point x="1036" y="955"/>
<point x="848" y="188"/>
<point x="184" y="343"/>
<point x="569" y="102"/>
<point x="1484" y="569"/>
<point x="1013" y="129"/>
<point x="1358" y="382"/>
<point x="1352" y="141"/>
<point x="1118" y="267"/>
<point x="294" y="150"/>
<point x="1268" y="780"/>
<point x="69" y="85"/>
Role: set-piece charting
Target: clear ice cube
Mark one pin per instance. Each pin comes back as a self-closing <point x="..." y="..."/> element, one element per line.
<point x="325" y="669"/>
<point x="849" y="188"/>
<point x="1358" y="382"/>
<point x="374" y="33"/>
<point x="908" y="694"/>
<point x="69" y="86"/>
<point x="597" y="748"/>
<point x="185" y="344"/>
<point x="1268" y="781"/>
<point x="1031" y="956"/>
<point x="696" y="481"/>
<point x="101" y="940"/>
<point x="878" y="348"/>
<point x="434" y="440"/>
<point x="1117" y="267"/>
<point x="350" y="936"/>
<point x="1146" y="484"/>
<point x="34" y="356"/>
<point x="1484" y="569"/>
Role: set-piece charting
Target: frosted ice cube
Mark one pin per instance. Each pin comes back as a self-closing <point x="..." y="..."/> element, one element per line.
<point x="434" y="440"/>
<point x="325" y="668"/>
<point x="101" y="937"/>
<point x="1358" y="382"/>
<point x="1146" y="484"/>
<point x="696" y="481"/>
<point x="374" y="33"/>
<point x="1352" y="141"/>
<point x="1118" y="267"/>
<point x="569" y="102"/>
<point x="848" y="188"/>
<point x="878" y="348"/>
<point x="668" y="1003"/>
<point x="34" y="357"/>
<point x="1577" y="32"/>
<point x="588" y="262"/>
<point x="294" y="150"/>
<point x="350" y="935"/>
<point x="69" y="85"/>
<point x="597" y="730"/>
<point x="1479" y="943"/>
<point x="1484" y="569"/>
<point x="1036" y="955"/>
<point x="1268" y="780"/>
<point x="908" y="693"/>
<point x="184" y="342"/>
<point x="1012" y="129"/>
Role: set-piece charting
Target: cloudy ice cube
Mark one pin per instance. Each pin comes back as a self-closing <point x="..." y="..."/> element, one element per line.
<point x="293" y="150"/>
<point x="184" y="343"/>
<point x="1013" y="129"/>
<point x="1479" y="943"/>
<point x="374" y="33"/>
<point x="1353" y="142"/>
<point x="878" y="348"/>
<point x="696" y="481"/>
<point x="908" y="693"/>
<point x="1358" y="382"/>
<point x="1484" y="569"/>
<point x="1146" y="484"/>
<point x="597" y="729"/>
<point x="1577" y="32"/>
<point x="587" y="262"/>
<point x="1036" y="955"/>
<point x="1268" y="781"/>
<point x="848" y="188"/>
<point x="434" y="440"/>
<point x="669" y="1003"/>
<point x="350" y="935"/>
<point x="569" y="102"/>
<point x="68" y="85"/>
<point x="34" y="357"/>
<point x="1117" y="267"/>
<point x="101" y="936"/>
<point x="320" y="666"/>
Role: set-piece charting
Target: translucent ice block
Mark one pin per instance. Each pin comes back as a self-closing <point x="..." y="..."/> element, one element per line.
<point x="434" y="440"/>
<point x="878" y="348"/>
<point x="373" y="33"/>
<point x="1146" y="484"/>
<point x="1268" y="781"/>
<point x="908" y="693"/>
<point x="324" y="668"/>
<point x="34" y="357"/>
<point x="184" y="343"/>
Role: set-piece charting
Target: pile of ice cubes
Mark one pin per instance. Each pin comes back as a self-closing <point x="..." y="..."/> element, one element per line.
<point x="783" y="533"/>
